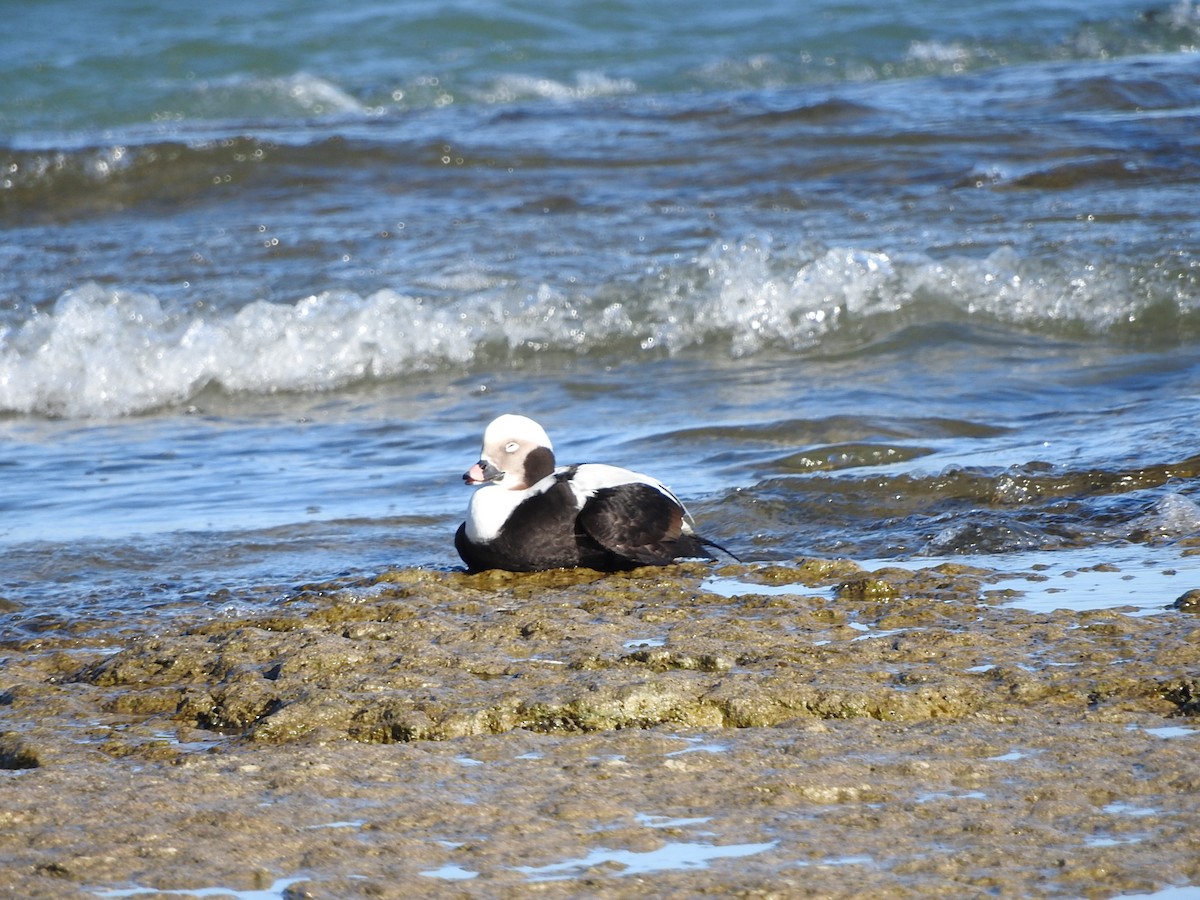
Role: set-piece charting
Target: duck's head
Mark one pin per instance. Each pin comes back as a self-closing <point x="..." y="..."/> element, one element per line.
<point x="516" y="454"/>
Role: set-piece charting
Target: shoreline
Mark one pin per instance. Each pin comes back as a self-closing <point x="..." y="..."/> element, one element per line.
<point x="841" y="732"/>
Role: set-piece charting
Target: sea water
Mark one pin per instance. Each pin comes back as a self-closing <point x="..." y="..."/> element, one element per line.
<point x="888" y="282"/>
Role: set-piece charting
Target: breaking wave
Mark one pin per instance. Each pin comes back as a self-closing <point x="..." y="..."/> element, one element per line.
<point x="101" y="351"/>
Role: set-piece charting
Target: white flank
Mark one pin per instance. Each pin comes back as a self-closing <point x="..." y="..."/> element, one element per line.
<point x="592" y="477"/>
<point x="492" y="504"/>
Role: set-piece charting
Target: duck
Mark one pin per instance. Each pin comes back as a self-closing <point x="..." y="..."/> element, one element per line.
<point x="529" y="514"/>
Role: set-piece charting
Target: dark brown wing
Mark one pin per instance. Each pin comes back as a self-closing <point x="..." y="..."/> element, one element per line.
<point x="640" y="523"/>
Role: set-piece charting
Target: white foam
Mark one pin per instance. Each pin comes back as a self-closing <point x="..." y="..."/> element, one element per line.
<point x="760" y="302"/>
<point x="510" y="88"/>
<point x="103" y="351"/>
<point x="298" y="94"/>
<point x="936" y="52"/>
<point x="1172" y="516"/>
<point x="1185" y="14"/>
<point x="757" y="296"/>
<point x="314" y="95"/>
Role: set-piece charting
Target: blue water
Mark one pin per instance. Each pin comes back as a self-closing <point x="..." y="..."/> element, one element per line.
<point x="859" y="280"/>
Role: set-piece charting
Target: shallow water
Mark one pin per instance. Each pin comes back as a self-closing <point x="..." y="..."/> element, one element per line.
<point x="876" y="283"/>
<point x="1127" y="577"/>
<point x="672" y="855"/>
<point x="277" y="891"/>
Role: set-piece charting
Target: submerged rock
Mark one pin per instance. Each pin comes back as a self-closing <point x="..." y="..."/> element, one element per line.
<point x="1189" y="602"/>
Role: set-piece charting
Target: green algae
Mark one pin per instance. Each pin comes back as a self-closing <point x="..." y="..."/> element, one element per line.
<point x="866" y="718"/>
<point x="1189" y="602"/>
<point x="418" y="655"/>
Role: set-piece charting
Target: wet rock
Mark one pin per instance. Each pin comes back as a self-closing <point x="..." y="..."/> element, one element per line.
<point x="488" y="723"/>
<point x="1185" y="694"/>
<point x="17" y="753"/>
<point x="868" y="588"/>
<point x="1189" y="602"/>
<point x="661" y="660"/>
<point x="415" y="657"/>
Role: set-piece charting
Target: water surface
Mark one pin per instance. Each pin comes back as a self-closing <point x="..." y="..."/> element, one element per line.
<point x="885" y="283"/>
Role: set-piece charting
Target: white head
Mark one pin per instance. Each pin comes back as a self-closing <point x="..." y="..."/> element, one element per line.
<point x="516" y="454"/>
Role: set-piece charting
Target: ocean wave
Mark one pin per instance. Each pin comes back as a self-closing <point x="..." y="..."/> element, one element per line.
<point x="306" y="71"/>
<point x="511" y="88"/>
<point x="301" y="94"/>
<point x="63" y="183"/>
<point x="761" y="297"/>
<point x="102" y="351"/>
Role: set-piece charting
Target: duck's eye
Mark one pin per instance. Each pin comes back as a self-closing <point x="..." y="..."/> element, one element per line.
<point x="511" y="447"/>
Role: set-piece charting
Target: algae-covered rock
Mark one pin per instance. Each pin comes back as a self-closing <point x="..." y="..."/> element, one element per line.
<point x="1185" y="694"/>
<point x="418" y="656"/>
<point x="1189" y="602"/>
<point x="431" y="722"/>
<point x="18" y="753"/>
<point x="868" y="588"/>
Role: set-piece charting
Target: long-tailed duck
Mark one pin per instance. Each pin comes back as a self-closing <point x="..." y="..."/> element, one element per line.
<point x="529" y="515"/>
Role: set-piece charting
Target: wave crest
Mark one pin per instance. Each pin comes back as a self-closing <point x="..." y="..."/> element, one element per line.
<point x="103" y="352"/>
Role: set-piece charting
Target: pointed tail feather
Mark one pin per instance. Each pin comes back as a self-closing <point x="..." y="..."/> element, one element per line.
<point x="707" y="543"/>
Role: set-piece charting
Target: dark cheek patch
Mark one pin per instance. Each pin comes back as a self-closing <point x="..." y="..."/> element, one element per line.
<point x="538" y="464"/>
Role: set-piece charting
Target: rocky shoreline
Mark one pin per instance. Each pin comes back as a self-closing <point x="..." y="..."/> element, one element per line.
<point x="831" y="732"/>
